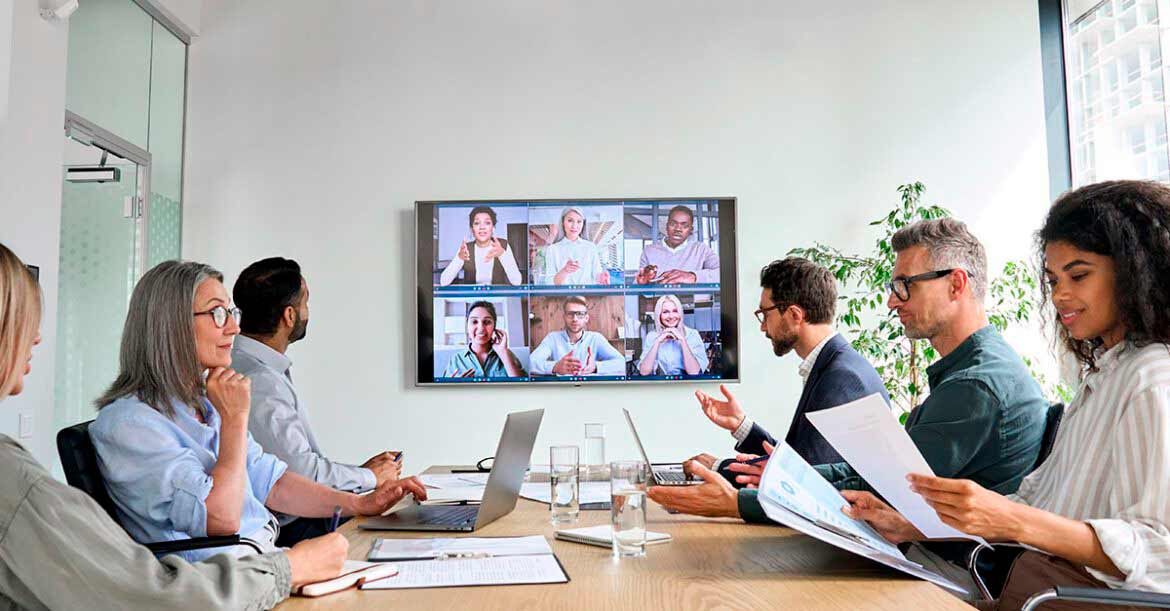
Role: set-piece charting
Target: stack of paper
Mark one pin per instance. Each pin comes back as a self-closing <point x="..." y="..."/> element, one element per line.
<point x="868" y="437"/>
<point x="508" y="570"/>
<point x="454" y="488"/>
<point x="450" y="547"/>
<point x="795" y="495"/>
<point x="590" y="492"/>
<point x="602" y="536"/>
<point x="467" y="561"/>
<point x="453" y="480"/>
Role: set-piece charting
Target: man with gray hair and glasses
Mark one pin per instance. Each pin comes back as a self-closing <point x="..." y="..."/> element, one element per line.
<point x="984" y="417"/>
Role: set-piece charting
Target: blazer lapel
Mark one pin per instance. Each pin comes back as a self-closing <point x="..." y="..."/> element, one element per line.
<point x="832" y="347"/>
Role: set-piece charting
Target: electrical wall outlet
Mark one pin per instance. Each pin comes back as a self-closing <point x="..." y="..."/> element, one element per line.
<point x="26" y="426"/>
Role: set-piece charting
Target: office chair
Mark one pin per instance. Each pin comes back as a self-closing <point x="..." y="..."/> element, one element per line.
<point x="1006" y="552"/>
<point x="79" y="460"/>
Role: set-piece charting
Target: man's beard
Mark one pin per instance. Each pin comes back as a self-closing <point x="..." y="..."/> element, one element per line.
<point x="916" y="330"/>
<point x="300" y="328"/>
<point x="784" y="345"/>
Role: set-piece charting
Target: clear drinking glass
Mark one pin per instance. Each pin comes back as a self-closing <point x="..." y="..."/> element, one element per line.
<point x="595" y="452"/>
<point x="564" y="468"/>
<point x="627" y="487"/>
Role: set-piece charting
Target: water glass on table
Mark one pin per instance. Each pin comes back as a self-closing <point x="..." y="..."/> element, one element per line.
<point x="627" y="486"/>
<point x="595" y="452"/>
<point x="565" y="496"/>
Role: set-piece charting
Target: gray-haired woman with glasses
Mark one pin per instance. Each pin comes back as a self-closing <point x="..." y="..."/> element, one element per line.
<point x="61" y="550"/>
<point x="172" y="434"/>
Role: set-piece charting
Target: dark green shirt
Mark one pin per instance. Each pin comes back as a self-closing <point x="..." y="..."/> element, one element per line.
<point x="982" y="421"/>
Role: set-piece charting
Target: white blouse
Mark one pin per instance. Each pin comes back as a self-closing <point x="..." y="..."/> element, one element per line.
<point x="1110" y="464"/>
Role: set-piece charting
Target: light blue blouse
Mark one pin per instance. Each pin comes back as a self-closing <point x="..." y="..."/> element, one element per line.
<point x="158" y="472"/>
<point x="669" y="360"/>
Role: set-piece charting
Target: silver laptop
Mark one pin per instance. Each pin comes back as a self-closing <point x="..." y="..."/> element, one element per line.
<point x="499" y="496"/>
<point x="664" y="474"/>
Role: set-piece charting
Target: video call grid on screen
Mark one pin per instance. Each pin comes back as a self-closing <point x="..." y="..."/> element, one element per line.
<point x="647" y="286"/>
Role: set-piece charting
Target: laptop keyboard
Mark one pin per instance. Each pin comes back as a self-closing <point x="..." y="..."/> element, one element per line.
<point x="454" y="515"/>
<point x="671" y="476"/>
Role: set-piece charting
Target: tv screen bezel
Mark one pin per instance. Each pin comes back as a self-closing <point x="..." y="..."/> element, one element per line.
<point x="728" y="293"/>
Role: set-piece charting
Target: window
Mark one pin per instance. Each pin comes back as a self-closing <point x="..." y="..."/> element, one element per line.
<point x="1116" y="90"/>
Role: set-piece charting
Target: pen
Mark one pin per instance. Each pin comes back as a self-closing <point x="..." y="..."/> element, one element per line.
<point x="755" y="461"/>
<point x="336" y="517"/>
<point x="399" y="457"/>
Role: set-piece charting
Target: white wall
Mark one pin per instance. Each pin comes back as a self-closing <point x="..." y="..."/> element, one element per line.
<point x="30" y="200"/>
<point x="186" y="14"/>
<point x="5" y="56"/>
<point x="314" y="126"/>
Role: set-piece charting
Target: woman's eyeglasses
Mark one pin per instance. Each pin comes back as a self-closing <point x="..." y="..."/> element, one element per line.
<point x="219" y="315"/>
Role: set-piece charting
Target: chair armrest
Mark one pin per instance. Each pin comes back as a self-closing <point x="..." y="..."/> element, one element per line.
<point x="1108" y="596"/>
<point x="973" y="566"/>
<point x="183" y="545"/>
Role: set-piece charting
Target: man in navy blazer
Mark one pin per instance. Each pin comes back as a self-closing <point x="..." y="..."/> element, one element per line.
<point x="797" y="304"/>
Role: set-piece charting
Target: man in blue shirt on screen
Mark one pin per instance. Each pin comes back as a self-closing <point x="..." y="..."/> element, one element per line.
<point x="574" y="350"/>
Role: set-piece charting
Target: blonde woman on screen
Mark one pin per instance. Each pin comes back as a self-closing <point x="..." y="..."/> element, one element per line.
<point x="61" y="550"/>
<point x="672" y="347"/>
<point x="572" y="259"/>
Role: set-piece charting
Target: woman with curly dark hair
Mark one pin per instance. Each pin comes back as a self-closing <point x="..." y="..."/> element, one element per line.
<point x="1099" y="506"/>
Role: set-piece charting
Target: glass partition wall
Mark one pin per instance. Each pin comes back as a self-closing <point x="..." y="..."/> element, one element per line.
<point x="121" y="205"/>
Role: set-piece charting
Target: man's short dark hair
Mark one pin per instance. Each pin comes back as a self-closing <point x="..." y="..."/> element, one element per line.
<point x="480" y="210"/>
<point x="682" y="208"/>
<point x="798" y="281"/>
<point x="575" y="299"/>
<point x="262" y="292"/>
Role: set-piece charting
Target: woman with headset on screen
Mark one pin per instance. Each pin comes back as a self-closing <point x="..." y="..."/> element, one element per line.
<point x="672" y="347"/>
<point x="487" y="354"/>
<point x="485" y="259"/>
<point x="572" y="259"/>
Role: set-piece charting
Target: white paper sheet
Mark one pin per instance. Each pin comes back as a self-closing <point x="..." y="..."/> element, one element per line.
<point x="870" y="439"/>
<point x="452" y="495"/>
<point x="434" y="547"/>
<point x="603" y="535"/>
<point x="506" y="570"/>
<point x="590" y="492"/>
<point x="771" y="482"/>
<point x="453" y="480"/>
<point x="797" y="487"/>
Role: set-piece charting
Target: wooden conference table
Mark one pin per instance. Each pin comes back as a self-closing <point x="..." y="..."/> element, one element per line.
<point x="710" y="564"/>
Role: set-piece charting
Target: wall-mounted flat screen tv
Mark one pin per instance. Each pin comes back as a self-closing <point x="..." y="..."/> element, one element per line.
<point x="578" y="291"/>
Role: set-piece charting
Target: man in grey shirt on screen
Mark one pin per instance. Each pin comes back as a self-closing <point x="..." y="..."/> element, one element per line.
<point x="274" y="299"/>
<point x="675" y="259"/>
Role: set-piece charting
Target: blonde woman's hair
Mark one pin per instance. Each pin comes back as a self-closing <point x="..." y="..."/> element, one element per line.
<point x="158" y="364"/>
<point x="658" y="311"/>
<point x="20" y="317"/>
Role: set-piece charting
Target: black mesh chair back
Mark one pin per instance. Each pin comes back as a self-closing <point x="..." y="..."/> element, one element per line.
<point x="1051" y="425"/>
<point x="79" y="460"/>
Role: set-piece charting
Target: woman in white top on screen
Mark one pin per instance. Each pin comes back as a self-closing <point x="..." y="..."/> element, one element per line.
<point x="485" y="259"/>
<point x="572" y="259"/>
<point x="672" y="347"/>
<point x="1099" y="506"/>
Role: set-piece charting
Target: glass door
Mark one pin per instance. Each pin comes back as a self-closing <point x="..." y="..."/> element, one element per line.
<point x="102" y="244"/>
